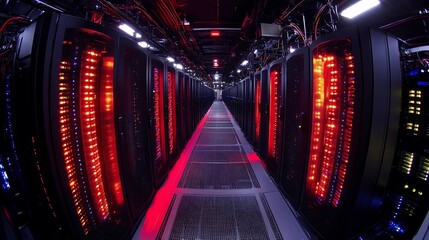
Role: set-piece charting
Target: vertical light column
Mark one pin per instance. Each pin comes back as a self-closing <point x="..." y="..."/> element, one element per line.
<point x="107" y="134"/>
<point x="257" y="109"/>
<point x="157" y="112"/>
<point x="273" y="118"/>
<point x="68" y="102"/>
<point x="332" y="125"/>
<point x="88" y="118"/>
<point x="171" y="110"/>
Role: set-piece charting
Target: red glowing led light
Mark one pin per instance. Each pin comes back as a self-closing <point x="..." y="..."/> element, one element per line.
<point x="332" y="120"/>
<point x="89" y="118"/>
<point x="171" y="110"/>
<point x="158" y="112"/>
<point x="215" y="63"/>
<point x="257" y="109"/>
<point x="273" y="118"/>
<point x="70" y="151"/>
<point x="108" y="136"/>
<point x="214" y="34"/>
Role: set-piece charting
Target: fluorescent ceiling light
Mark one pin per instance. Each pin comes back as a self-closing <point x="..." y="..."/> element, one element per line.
<point x="126" y="28"/>
<point x="144" y="44"/>
<point x="170" y="59"/>
<point x="359" y="7"/>
<point x="178" y="66"/>
<point x="238" y="70"/>
<point x="255" y="52"/>
<point x="291" y="49"/>
<point x="244" y="63"/>
<point x="138" y="35"/>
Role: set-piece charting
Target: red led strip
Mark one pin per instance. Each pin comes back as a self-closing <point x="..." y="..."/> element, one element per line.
<point x="70" y="151"/>
<point x="332" y="120"/>
<point x="257" y="109"/>
<point x="330" y="126"/>
<point x="88" y="118"/>
<point x="274" y="97"/>
<point x="348" y="128"/>
<point x="157" y="112"/>
<point x="171" y="110"/>
<point x="108" y="136"/>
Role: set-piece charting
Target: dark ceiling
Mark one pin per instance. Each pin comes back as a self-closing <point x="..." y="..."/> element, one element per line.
<point x="182" y="28"/>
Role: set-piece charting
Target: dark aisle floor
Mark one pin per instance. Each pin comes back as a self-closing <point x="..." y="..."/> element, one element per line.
<point x="219" y="189"/>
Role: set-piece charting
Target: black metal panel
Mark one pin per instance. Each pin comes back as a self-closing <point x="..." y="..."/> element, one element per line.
<point x="296" y="113"/>
<point x="134" y="127"/>
<point x="276" y="81"/>
<point x="264" y="107"/>
<point x="158" y="137"/>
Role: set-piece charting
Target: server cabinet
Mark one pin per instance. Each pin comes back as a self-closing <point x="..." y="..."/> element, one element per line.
<point x="133" y="119"/>
<point x="180" y="101"/>
<point x="188" y="107"/>
<point x="406" y="206"/>
<point x="157" y="118"/>
<point x="67" y="128"/>
<point x="275" y="120"/>
<point x="295" y="115"/>
<point x="355" y="96"/>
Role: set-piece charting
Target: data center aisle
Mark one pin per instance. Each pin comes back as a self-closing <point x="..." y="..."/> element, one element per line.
<point x="219" y="190"/>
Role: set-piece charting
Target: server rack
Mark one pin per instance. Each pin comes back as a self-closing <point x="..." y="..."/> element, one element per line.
<point x="157" y="111"/>
<point x="405" y="206"/>
<point x="180" y="105"/>
<point x="275" y="125"/>
<point x="188" y="106"/>
<point x="68" y="135"/>
<point x="14" y="191"/>
<point x="355" y="88"/>
<point x="296" y="114"/>
<point x="249" y="108"/>
<point x="135" y="129"/>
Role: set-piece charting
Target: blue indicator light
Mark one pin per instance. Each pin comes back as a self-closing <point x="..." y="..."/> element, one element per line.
<point x="396" y="227"/>
<point x="413" y="72"/>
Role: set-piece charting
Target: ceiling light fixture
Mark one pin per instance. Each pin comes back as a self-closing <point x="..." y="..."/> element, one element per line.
<point x="170" y="59"/>
<point x="178" y="66"/>
<point x="126" y="28"/>
<point x="238" y="70"/>
<point x="244" y="63"/>
<point x="144" y="44"/>
<point x="359" y="8"/>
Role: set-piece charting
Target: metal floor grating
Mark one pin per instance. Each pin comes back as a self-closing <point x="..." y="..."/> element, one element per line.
<point x="216" y="176"/>
<point x="218" y="130"/>
<point x="217" y="156"/>
<point x="218" y="148"/>
<point x="214" y="124"/>
<point x="200" y="217"/>
<point x="217" y="138"/>
<point x="219" y="190"/>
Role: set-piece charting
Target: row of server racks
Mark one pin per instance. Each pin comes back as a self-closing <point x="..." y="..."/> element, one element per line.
<point x="342" y="127"/>
<point x="91" y="125"/>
